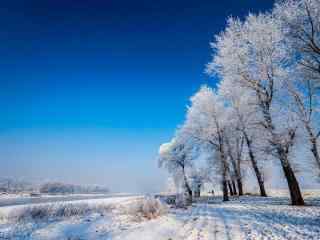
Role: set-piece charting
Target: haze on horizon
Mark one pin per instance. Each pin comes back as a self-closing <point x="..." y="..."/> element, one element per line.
<point x="90" y="89"/>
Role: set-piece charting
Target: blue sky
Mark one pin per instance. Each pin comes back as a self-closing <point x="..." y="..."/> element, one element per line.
<point x="90" y="89"/>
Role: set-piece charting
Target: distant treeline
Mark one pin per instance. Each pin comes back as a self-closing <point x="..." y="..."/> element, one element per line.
<point x="63" y="188"/>
<point x="9" y="185"/>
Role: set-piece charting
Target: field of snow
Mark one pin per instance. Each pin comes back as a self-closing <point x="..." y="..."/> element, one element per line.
<point x="22" y="199"/>
<point x="248" y="218"/>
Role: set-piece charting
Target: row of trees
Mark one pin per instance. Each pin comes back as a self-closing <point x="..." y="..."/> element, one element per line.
<point x="266" y="102"/>
<point x="10" y="185"/>
<point x="64" y="188"/>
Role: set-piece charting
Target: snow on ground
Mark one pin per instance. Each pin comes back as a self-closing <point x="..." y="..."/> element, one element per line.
<point x="244" y="218"/>
<point x="24" y="198"/>
<point x="248" y="218"/>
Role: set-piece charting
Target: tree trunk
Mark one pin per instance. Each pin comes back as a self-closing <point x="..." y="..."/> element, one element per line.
<point x="255" y="167"/>
<point x="187" y="186"/>
<point x="240" y="189"/>
<point x="189" y="191"/>
<point x="282" y="151"/>
<point x="224" y="179"/>
<point x="234" y="188"/>
<point x="239" y="178"/>
<point x="265" y="101"/>
<point x="197" y="192"/>
<point x="230" y="188"/>
<point x="295" y="193"/>
<point x="224" y="170"/>
<point x="225" y="190"/>
<point x="236" y="170"/>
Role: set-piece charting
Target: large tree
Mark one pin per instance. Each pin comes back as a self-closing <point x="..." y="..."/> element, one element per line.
<point x="300" y="24"/>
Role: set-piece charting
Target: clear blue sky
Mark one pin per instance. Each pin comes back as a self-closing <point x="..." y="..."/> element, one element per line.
<point x="89" y="89"/>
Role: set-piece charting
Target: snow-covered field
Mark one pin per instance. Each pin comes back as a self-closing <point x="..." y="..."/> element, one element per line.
<point x="246" y="218"/>
<point x="22" y="199"/>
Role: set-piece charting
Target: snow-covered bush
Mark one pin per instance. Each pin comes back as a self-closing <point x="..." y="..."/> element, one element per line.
<point x="148" y="207"/>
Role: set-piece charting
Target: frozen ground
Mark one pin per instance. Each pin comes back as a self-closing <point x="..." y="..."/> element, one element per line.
<point x="245" y="218"/>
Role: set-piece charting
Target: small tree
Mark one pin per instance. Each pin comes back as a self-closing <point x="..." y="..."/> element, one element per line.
<point x="174" y="156"/>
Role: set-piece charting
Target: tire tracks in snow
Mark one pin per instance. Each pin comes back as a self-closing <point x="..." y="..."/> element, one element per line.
<point x="188" y="226"/>
<point x="207" y="222"/>
<point x="199" y="225"/>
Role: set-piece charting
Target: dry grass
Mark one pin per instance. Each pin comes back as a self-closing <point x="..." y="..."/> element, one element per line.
<point x="57" y="210"/>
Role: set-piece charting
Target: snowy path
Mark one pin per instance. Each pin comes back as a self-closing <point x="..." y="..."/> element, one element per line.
<point x="205" y="222"/>
<point x="251" y="218"/>
<point x="231" y="221"/>
<point x="202" y="222"/>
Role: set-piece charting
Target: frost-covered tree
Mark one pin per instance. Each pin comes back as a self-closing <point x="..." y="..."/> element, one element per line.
<point x="175" y="157"/>
<point x="234" y="148"/>
<point x="171" y="186"/>
<point x="198" y="178"/>
<point x="206" y="121"/>
<point x="250" y="54"/>
<point x="300" y="24"/>
<point x="244" y="126"/>
<point x="305" y="95"/>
